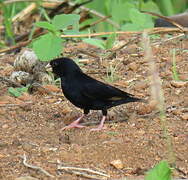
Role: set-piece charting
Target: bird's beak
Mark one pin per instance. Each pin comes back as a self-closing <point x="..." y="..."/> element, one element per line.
<point x="48" y="68"/>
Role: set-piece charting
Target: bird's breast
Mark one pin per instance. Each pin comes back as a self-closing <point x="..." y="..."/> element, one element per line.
<point x="74" y="95"/>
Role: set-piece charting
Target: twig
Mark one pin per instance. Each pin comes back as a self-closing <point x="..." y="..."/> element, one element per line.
<point x="22" y="44"/>
<point x="85" y="172"/>
<point x="84" y="175"/>
<point x="88" y="53"/>
<point x="94" y="23"/>
<point x="14" y="105"/>
<point x="167" y="19"/>
<point x="35" y="167"/>
<point x="24" y="13"/>
<point x="96" y="122"/>
<point x="181" y="171"/>
<point x="151" y="31"/>
<point x="119" y="48"/>
<point x="12" y="83"/>
<point x="38" y="85"/>
<point x="169" y="39"/>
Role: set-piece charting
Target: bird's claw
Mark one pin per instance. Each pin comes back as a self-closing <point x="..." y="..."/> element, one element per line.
<point x="97" y="129"/>
<point x="70" y="126"/>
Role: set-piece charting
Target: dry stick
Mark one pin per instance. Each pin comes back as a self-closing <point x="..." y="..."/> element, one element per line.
<point x="40" y="86"/>
<point x="169" y="39"/>
<point x="95" y="23"/>
<point x="15" y="105"/>
<point x="119" y="48"/>
<point x="35" y="167"/>
<point x="97" y="122"/>
<point x="84" y="175"/>
<point x="152" y="31"/>
<point x="157" y="94"/>
<point x="19" y="45"/>
<point x="24" y="13"/>
<point x="167" y="19"/>
<point x="76" y="170"/>
<point x="89" y="53"/>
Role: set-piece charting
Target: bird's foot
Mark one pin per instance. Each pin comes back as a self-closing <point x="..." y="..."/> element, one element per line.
<point x="101" y="125"/>
<point x="99" y="128"/>
<point x="72" y="125"/>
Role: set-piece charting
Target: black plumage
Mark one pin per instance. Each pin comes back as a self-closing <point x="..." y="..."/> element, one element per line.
<point x="87" y="93"/>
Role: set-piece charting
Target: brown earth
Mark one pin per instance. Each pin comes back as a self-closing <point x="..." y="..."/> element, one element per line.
<point x="32" y="123"/>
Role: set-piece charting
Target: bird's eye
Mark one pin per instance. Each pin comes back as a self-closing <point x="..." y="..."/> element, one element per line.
<point x="55" y="64"/>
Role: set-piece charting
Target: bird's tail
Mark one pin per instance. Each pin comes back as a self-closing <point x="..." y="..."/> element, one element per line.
<point x="135" y="99"/>
<point x="127" y="100"/>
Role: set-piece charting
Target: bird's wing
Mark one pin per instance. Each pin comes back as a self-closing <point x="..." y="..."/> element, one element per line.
<point x="94" y="89"/>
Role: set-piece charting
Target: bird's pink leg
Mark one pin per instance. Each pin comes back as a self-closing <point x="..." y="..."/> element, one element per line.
<point x="101" y="125"/>
<point x="75" y="124"/>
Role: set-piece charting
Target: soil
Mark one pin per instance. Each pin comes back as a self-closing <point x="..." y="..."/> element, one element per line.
<point x="31" y="124"/>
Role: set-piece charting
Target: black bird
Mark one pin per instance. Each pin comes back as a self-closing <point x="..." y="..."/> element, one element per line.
<point x="87" y="93"/>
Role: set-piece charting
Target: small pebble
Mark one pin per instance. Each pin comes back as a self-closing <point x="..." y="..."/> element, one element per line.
<point x="184" y="116"/>
<point x="133" y="66"/>
<point x="117" y="164"/>
<point x="178" y="84"/>
<point x="5" y="126"/>
<point x="52" y="88"/>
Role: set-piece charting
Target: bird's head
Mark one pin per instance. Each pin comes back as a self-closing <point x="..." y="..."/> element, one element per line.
<point x="64" y="66"/>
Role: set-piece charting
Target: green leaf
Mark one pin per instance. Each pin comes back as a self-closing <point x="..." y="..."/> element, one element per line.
<point x="137" y="17"/>
<point x="120" y="11"/>
<point x="47" y="47"/>
<point x="71" y="31"/>
<point x="46" y="25"/>
<point x="16" y="92"/>
<point x="130" y="27"/>
<point x="95" y="42"/>
<point x="140" y="21"/>
<point x="161" y="171"/>
<point x="62" y="21"/>
<point x="150" y="6"/>
<point x="143" y="20"/>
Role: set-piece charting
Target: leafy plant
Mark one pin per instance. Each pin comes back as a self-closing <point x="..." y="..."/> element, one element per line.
<point x="50" y="45"/>
<point x="100" y="43"/>
<point x="111" y="74"/>
<point x="174" y="69"/>
<point x="95" y="42"/>
<point x="121" y="12"/>
<point x="7" y="13"/>
<point x="110" y="41"/>
<point x="161" y="171"/>
<point x="139" y="21"/>
<point x="16" y="92"/>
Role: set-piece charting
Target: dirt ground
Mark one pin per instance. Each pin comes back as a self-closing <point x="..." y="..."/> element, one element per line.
<point x="32" y="123"/>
